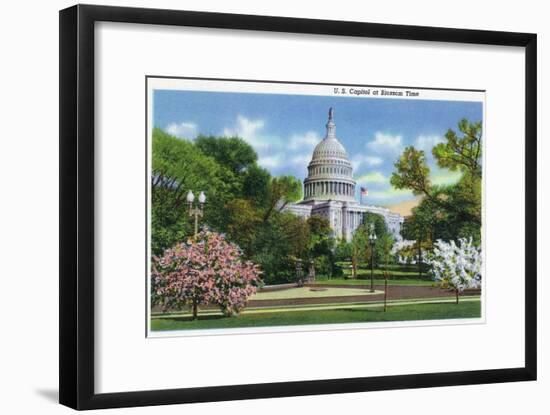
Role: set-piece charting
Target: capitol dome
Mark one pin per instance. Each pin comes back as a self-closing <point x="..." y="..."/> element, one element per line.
<point x="330" y="174"/>
<point x="329" y="148"/>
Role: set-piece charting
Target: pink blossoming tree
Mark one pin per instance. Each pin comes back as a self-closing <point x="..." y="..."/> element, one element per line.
<point x="208" y="271"/>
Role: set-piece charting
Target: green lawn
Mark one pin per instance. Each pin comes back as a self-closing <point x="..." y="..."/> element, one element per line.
<point x="365" y="273"/>
<point x="396" y="271"/>
<point x="465" y="309"/>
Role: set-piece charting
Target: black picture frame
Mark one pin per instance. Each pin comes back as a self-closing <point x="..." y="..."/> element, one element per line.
<point x="76" y="279"/>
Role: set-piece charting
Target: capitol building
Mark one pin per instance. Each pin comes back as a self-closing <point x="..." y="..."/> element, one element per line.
<point x="329" y="190"/>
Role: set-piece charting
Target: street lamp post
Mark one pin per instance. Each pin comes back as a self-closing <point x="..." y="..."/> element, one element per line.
<point x="372" y="241"/>
<point x="196" y="211"/>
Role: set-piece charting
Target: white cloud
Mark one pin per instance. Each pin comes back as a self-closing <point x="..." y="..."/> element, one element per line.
<point x="359" y="160"/>
<point x="390" y="195"/>
<point x="373" y="177"/>
<point x="249" y="130"/>
<point x="271" y="162"/>
<point x="386" y="143"/>
<point x="186" y="130"/>
<point x="273" y="151"/>
<point x="427" y="142"/>
<point x="301" y="160"/>
<point x="304" y="142"/>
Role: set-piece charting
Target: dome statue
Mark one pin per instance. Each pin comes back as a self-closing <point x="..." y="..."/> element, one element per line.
<point x="330" y="174"/>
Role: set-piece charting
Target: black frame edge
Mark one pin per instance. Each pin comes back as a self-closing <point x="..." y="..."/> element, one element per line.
<point x="303" y="388"/>
<point x="76" y="281"/>
<point x="301" y="25"/>
<point x="68" y="370"/>
<point x="531" y="207"/>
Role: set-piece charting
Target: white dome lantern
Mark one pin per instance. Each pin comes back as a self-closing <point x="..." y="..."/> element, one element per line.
<point x="330" y="174"/>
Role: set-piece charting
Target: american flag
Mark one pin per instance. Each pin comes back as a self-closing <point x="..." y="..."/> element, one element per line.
<point x="364" y="191"/>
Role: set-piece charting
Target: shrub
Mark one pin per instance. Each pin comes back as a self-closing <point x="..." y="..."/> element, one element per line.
<point x="208" y="271"/>
<point x="456" y="266"/>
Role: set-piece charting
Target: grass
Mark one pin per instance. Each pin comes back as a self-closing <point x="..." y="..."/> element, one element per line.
<point x="377" y="281"/>
<point x="365" y="273"/>
<point x="410" y="312"/>
<point x="396" y="271"/>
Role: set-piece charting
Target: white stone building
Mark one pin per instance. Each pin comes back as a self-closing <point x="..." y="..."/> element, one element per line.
<point x="329" y="190"/>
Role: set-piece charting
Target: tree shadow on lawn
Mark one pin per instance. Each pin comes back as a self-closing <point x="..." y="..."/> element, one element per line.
<point x="363" y="310"/>
<point x="199" y="318"/>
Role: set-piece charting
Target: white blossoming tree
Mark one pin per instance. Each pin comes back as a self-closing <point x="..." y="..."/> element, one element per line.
<point x="456" y="266"/>
<point x="400" y="251"/>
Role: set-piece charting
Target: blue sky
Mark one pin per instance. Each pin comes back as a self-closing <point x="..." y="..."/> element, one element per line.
<point x="284" y="129"/>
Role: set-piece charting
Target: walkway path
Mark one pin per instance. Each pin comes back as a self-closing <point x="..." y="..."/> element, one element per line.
<point x="396" y="292"/>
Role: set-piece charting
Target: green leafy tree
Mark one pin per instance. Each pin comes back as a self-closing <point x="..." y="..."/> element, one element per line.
<point x="461" y="153"/>
<point x="384" y="246"/>
<point x="231" y="152"/>
<point x="383" y="237"/>
<point x="277" y="244"/>
<point x="320" y="241"/>
<point x="455" y="209"/>
<point x="256" y="188"/>
<point x="419" y="227"/>
<point x="321" y="244"/>
<point x="343" y="251"/>
<point x="282" y="190"/>
<point x="360" y="249"/>
<point x="178" y="166"/>
<point x="242" y="222"/>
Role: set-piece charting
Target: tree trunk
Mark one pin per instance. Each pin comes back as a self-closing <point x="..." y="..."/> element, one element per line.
<point x="419" y="258"/>
<point x="195" y="309"/>
<point x="456" y="293"/>
<point x="354" y="267"/>
<point x="385" y="292"/>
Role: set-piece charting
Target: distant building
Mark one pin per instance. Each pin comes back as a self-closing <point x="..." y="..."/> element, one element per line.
<point x="329" y="190"/>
